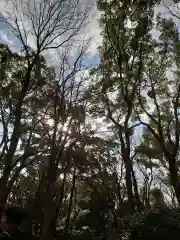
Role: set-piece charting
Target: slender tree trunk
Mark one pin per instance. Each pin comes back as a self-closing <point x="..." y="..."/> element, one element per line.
<point x="120" y="200"/>
<point x="174" y="178"/>
<point x="128" y="168"/>
<point x="7" y="184"/>
<point x="129" y="186"/>
<point x="48" y="224"/>
<point x="15" y="136"/>
<point x="67" y="225"/>
<point x="136" y="193"/>
<point x="48" y="191"/>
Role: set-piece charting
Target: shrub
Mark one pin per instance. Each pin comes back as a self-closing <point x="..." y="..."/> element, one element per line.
<point x="162" y="224"/>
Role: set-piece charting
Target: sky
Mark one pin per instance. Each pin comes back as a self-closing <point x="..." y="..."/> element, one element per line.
<point x="90" y="30"/>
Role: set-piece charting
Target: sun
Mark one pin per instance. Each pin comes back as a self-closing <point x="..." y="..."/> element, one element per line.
<point x="64" y="128"/>
<point x="50" y="122"/>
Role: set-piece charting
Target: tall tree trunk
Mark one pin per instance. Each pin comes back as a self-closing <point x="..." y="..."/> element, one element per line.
<point x="7" y="184"/>
<point x="129" y="186"/>
<point x="174" y="178"/>
<point x="49" y="186"/>
<point x="48" y="223"/>
<point x="67" y="225"/>
<point x="139" y="204"/>
<point x="118" y="188"/>
<point x="3" y="189"/>
<point x="128" y="167"/>
<point x="15" y="136"/>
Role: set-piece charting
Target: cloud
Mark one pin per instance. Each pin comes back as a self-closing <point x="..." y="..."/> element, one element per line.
<point x="89" y="30"/>
<point x="4" y="38"/>
<point x="93" y="30"/>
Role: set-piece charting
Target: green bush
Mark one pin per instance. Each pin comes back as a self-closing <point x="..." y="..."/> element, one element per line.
<point x="164" y="224"/>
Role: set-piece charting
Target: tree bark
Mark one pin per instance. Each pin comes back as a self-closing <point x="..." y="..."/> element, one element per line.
<point x="48" y="224"/>
<point x="67" y="225"/>
<point x="129" y="186"/>
<point x="139" y="204"/>
<point x="174" y="178"/>
<point x="15" y="136"/>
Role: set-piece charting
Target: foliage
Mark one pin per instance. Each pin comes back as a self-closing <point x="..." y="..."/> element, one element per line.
<point x="156" y="225"/>
<point x="94" y="156"/>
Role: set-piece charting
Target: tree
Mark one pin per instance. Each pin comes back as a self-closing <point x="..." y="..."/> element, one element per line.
<point x="62" y="102"/>
<point x="163" y="93"/>
<point x="47" y="22"/>
<point x="74" y="179"/>
<point x="158" y="202"/>
<point x="13" y="69"/>
<point x="124" y="50"/>
<point x="156" y="225"/>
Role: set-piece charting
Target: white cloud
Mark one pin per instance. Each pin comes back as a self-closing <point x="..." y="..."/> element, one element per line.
<point x="4" y="37"/>
<point x="90" y="30"/>
<point x="93" y="30"/>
